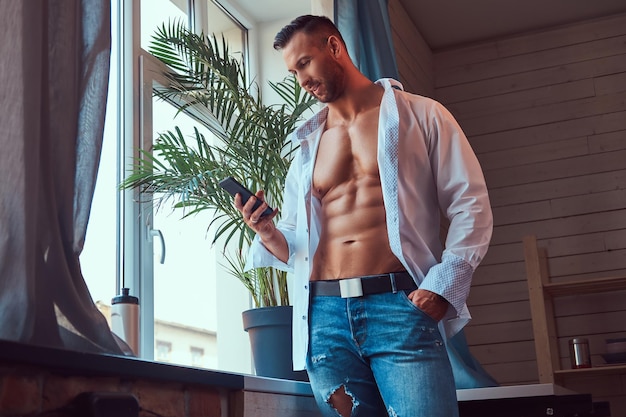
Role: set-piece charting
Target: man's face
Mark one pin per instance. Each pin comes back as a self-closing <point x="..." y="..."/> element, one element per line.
<point x="314" y="66"/>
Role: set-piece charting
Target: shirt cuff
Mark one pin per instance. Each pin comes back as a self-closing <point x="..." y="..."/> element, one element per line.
<point x="258" y="256"/>
<point x="451" y="279"/>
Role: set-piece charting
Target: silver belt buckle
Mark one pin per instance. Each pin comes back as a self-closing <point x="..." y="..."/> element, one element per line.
<point x="350" y="287"/>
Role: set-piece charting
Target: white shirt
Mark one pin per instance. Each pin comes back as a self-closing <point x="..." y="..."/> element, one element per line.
<point x="427" y="167"/>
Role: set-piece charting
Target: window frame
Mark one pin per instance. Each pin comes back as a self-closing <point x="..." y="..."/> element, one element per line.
<point x="139" y="71"/>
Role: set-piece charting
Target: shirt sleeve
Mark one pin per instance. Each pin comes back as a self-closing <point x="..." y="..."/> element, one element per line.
<point x="463" y="198"/>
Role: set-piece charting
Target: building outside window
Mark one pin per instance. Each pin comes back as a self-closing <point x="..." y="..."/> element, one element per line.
<point x="197" y="356"/>
<point x="163" y="351"/>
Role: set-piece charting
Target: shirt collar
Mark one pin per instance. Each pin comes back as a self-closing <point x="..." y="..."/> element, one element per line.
<point x="311" y="125"/>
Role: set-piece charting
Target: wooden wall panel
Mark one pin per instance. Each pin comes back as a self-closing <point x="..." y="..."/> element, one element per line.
<point x="532" y="42"/>
<point x="413" y="56"/>
<point x="546" y="114"/>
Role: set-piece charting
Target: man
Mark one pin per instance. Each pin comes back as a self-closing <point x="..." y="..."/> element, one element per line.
<point x="360" y="230"/>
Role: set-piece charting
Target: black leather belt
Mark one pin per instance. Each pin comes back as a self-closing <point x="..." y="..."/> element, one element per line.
<point x="359" y="286"/>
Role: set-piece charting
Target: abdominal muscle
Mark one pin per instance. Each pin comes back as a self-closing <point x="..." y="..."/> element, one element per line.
<point x="346" y="181"/>
<point x="353" y="240"/>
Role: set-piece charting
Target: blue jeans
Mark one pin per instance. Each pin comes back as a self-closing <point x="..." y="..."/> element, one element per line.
<point x="384" y="352"/>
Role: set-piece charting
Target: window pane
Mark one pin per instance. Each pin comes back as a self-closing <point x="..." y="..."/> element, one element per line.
<point x="185" y="287"/>
<point x="156" y="12"/>
<point x="220" y="24"/>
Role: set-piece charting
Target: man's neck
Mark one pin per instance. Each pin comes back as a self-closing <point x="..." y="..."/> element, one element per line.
<point x="358" y="97"/>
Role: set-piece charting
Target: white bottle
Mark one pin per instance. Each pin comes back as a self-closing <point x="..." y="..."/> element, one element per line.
<point x="125" y="319"/>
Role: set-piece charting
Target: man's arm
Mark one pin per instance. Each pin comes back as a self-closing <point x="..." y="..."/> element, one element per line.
<point x="463" y="197"/>
<point x="273" y="240"/>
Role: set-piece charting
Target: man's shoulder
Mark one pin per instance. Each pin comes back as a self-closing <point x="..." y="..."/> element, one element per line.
<point x="416" y="98"/>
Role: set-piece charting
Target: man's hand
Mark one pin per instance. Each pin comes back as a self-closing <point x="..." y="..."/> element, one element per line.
<point x="262" y="225"/>
<point x="430" y="303"/>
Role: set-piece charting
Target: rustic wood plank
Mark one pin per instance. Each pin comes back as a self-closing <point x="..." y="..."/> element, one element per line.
<point x="593" y="275"/>
<point x="413" y="55"/>
<point x="545" y="114"/>
<point x="590" y="324"/>
<point x="485" y="313"/>
<point x="569" y="226"/>
<point x="550" y="170"/>
<point x="591" y="303"/>
<point x="587" y="262"/>
<point x="531" y="79"/>
<point x="503" y="254"/>
<point x="498" y="273"/>
<point x="612" y="141"/>
<point x="499" y="333"/>
<point x="551" y="132"/>
<point x="411" y="37"/>
<point x="529" y="98"/>
<point x="522" y="213"/>
<point x="558" y="188"/>
<point x="542" y="310"/>
<point x="565" y="35"/>
<point x="588" y="203"/>
<point x="610" y="84"/>
<point x="527" y="43"/>
<point x="561" y="207"/>
<point x="414" y="80"/>
<point x="498" y="293"/>
<point x="584" y="287"/>
<point x="578" y="244"/>
<point x="549" y="151"/>
<point x="261" y="404"/>
<point x="494" y="353"/>
<point x="593" y="49"/>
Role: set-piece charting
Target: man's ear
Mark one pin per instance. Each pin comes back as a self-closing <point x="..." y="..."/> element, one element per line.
<point x="335" y="45"/>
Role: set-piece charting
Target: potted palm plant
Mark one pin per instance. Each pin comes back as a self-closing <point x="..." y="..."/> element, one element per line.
<point x="250" y="142"/>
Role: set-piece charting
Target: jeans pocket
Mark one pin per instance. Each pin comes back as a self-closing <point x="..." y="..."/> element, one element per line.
<point x="404" y="295"/>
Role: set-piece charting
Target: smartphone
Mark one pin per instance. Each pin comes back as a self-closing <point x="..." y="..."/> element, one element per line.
<point x="233" y="187"/>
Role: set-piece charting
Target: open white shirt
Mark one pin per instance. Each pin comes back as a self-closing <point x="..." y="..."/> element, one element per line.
<point x="427" y="168"/>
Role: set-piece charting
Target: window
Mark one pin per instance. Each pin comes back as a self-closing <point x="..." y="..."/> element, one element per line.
<point x="176" y="280"/>
<point x="163" y="351"/>
<point x="189" y="296"/>
<point x="197" y="356"/>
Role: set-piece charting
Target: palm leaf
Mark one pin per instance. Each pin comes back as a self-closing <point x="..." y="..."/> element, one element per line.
<point x="250" y="141"/>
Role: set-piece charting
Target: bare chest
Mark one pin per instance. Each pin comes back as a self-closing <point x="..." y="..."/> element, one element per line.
<point x="347" y="154"/>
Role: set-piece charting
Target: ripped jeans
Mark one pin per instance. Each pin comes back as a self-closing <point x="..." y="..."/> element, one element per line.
<point x="382" y="351"/>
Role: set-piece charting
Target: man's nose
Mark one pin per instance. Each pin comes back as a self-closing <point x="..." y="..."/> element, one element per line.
<point x="303" y="80"/>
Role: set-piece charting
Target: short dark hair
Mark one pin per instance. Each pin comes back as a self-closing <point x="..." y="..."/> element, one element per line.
<point x="310" y="25"/>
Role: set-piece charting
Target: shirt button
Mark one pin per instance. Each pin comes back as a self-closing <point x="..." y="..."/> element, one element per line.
<point x="306" y="287"/>
<point x="306" y="258"/>
<point x="303" y="317"/>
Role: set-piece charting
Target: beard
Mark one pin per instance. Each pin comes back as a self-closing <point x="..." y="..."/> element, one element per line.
<point x="330" y="86"/>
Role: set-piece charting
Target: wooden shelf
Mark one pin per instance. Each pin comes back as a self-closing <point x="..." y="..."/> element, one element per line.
<point x="558" y="289"/>
<point x="541" y="292"/>
<point x="593" y="371"/>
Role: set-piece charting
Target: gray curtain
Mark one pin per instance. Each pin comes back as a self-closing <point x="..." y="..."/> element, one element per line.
<point x="54" y="65"/>
<point x="366" y="29"/>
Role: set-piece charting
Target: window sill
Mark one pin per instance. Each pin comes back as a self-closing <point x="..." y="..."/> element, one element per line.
<point x="70" y="362"/>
